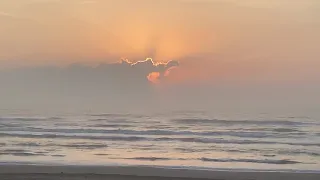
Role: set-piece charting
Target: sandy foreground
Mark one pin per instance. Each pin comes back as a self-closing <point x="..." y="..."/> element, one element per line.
<point x="37" y="172"/>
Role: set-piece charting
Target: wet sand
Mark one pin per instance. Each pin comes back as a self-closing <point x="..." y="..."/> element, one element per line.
<point x="79" y="177"/>
<point x="38" y="172"/>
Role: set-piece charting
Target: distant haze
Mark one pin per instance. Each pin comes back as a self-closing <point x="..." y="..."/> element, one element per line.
<point x="206" y="54"/>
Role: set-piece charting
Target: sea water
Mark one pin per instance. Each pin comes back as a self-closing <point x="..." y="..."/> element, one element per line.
<point x="187" y="139"/>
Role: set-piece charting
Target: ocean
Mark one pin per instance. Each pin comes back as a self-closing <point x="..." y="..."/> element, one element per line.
<point x="185" y="139"/>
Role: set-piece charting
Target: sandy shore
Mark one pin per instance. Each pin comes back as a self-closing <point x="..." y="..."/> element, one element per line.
<point x="35" y="172"/>
<point x="79" y="177"/>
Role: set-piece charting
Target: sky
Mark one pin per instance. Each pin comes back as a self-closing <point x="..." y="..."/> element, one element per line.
<point x="205" y="53"/>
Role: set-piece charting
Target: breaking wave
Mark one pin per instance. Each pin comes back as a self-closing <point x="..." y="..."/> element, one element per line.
<point x="265" y="161"/>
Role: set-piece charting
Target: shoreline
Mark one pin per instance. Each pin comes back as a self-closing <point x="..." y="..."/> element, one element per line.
<point x="145" y="172"/>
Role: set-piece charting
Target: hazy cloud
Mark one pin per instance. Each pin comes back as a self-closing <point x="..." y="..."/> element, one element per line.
<point x="121" y="84"/>
<point x="155" y="71"/>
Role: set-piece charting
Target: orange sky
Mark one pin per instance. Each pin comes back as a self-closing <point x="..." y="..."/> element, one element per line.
<point x="211" y="38"/>
<point x="214" y="53"/>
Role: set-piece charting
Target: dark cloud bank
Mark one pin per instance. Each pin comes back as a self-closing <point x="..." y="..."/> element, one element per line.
<point x="107" y="86"/>
<point x="124" y="86"/>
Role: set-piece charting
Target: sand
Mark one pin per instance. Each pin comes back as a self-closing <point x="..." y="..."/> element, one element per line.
<point x="45" y="172"/>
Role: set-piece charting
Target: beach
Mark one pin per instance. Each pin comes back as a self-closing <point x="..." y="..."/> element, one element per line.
<point x="73" y="172"/>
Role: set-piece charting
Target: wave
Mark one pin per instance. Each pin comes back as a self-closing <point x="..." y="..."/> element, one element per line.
<point x="115" y="120"/>
<point x="101" y="154"/>
<point x="20" y="152"/>
<point x="58" y="155"/>
<point x="259" y="161"/>
<point x="110" y="125"/>
<point x="52" y="136"/>
<point x="149" y="158"/>
<point x="152" y="158"/>
<point x="26" y="119"/>
<point x="161" y="139"/>
<point x="241" y="134"/>
<point x="224" y="141"/>
<point x="83" y="146"/>
<point x="285" y="130"/>
<point x="71" y="145"/>
<point x="298" y="152"/>
<point x="127" y="118"/>
<point x="239" y="122"/>
<point x="112" y="115"/>
<point x="29" y="144"/>
<point x="109" y="115"/>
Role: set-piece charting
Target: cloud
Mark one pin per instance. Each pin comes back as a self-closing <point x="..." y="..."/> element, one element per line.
<point x="155" y="71"/>
<point x="109" y="85"/>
